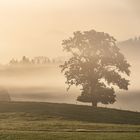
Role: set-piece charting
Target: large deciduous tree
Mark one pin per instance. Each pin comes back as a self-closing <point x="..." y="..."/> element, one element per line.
<point x="97" y="65"/>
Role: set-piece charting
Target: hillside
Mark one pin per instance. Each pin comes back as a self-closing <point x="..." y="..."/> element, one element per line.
<point x="72" y="112"/>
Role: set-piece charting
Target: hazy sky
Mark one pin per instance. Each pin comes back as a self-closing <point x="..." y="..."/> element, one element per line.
<point x="36" y="27"/>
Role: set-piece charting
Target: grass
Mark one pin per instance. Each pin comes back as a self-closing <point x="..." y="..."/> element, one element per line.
<point x="67" y="136"/>
<point x="72" y="112"/>
<point x="49" y="121"/>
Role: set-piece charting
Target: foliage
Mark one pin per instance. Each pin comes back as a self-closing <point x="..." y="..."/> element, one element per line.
<point x="96" y="64"/>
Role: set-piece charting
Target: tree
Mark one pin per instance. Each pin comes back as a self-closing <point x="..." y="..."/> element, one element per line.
<point x="13" y="62"/>
<point x="25" y="60"/>
<point x="96" y="65"/>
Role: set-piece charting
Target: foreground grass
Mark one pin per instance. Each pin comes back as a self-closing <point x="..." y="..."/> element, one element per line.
<point x="46" y="121"/>
<point x="38" y="122"/>
<point x="67" y="136"/>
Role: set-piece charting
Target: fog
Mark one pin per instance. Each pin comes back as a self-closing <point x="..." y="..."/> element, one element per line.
<point x="37" y="28"/>
<point x="46" y="83"/>
<point x="36" y="83"/>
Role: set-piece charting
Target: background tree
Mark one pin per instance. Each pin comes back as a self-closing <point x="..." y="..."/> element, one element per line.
<point x="97" y="65"/>
<point x="25" y="60"/>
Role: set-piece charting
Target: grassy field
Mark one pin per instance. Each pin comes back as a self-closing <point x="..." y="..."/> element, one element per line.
<point x="47" y="121"/>
<point x="67" y="136"/>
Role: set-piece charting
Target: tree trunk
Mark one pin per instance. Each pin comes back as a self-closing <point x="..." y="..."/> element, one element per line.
<point x="93" y="94"/>
<point x="94" y="104"/>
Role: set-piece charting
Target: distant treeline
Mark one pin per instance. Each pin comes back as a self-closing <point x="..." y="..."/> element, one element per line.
<point x="135" y="42"/>
<point x="40" y="60"/>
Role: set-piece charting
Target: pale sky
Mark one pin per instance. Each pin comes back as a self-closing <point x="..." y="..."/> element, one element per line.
<point x="37" y="27"/>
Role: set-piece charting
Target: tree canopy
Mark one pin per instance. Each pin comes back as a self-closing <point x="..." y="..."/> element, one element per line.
<point x="97" y="65"/>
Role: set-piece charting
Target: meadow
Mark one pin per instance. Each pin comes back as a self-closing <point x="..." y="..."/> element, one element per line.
<point x="51" y="121"/>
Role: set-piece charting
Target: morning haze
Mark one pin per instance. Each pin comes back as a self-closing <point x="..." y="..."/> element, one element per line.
<point x="31" y="26"/>
<point x="69" y="67"/>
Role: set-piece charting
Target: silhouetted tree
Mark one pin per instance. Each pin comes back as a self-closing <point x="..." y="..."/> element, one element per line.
<point x="41" y="60"/>
<point x="25" y="60"/>
<point x="96" y="65"/>
<point x="13" y="62"/>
